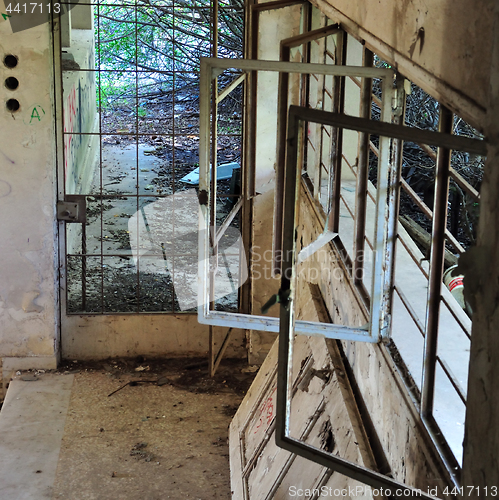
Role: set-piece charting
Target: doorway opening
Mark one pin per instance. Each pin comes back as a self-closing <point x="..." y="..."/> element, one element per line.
<point x="130" y="80"/>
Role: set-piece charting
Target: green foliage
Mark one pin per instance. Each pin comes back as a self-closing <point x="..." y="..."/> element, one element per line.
<point x="151" y="49"/>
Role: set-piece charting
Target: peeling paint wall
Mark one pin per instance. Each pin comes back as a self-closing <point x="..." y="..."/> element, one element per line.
<point x="28" y="298"/>
<point x="442" y="46"/>
<point x="154" y="335"/>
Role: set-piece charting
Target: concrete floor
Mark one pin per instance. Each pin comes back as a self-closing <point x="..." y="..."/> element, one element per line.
<point x="162" y="436"/>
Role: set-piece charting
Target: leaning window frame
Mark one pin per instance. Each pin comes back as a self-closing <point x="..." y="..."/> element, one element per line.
<point x="378" y="327"/>
<point x="287" y="331"/>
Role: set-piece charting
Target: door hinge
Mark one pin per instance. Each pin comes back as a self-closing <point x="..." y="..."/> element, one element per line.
<point x="72" y="209"/>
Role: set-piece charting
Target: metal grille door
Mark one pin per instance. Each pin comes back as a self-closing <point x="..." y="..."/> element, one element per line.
<point x="130" y="114"/>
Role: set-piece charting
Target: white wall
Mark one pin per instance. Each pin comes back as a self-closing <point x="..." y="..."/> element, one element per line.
<point x="28" y="243"/>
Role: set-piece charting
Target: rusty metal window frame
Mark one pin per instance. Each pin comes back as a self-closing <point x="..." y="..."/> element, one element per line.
<point x="210" y="69"/>
<point x="297" y="115"/>
<point x="443" y="302"/>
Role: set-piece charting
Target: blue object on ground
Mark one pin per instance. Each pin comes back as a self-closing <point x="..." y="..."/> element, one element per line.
<point x="224" y="172"/>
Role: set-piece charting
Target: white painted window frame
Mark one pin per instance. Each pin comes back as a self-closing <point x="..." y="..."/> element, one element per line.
<point x="210" y="69"/>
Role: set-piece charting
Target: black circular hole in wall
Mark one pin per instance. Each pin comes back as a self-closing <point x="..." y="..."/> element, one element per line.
<point x="10" y="61"/>
<point x="11" y="83"/>
<point x="13" y="105"/>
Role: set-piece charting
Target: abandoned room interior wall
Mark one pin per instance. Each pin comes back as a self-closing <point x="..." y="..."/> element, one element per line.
<point x="80" y="112"/>
<point x="28" y="266"/>
<point x="80" y="118"/>
<point x="481" y="268"/>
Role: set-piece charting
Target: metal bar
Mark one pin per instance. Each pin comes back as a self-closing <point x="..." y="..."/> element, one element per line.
<point x="211" y="352"/>
<point x="282" y="116"/>
<point x="222" y="350"/>
<point x="362" y="175"/>
<point x="269" y="324"/>
<point x="395" y="174"/>
<point x="379" y="319"/>
<point x="137" y="205"/>
<point x="312" y="68"/>
<point x="250" y="170"/>
<point x="385" y="129"/>
<point x="227" y="90"/>
<point x="204" y="187"/>
<point x="278" y="4"/>
<point x="132" y="5"/>
<point x="429" y="214"/>
<point x="452" y="379"/>
<point x="310" y="36"/>
<point x="228" y="220"/>
<point x="125" y="71"/>
<point x="213" y="180"/>
<point x="409" y="309"/>
<point x="84" y="266"/>
<point x="436" y="266"/>
<point x="443" y="363"/>
<point x="413" y="257"/>
<point x="419" y="202"/>
<point x="345" y="159"/>
<point x="142" y="134"/>
<point x="465" y="329"/>
<point x="101" y="182"/>
<point x="352" y="215"/>
<point x="337" y="142"/>
<point x="373" y="148"/>
<point x="464" y="184"/>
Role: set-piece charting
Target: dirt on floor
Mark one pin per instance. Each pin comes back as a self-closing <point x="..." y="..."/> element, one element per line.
<point x="140" y="429"/>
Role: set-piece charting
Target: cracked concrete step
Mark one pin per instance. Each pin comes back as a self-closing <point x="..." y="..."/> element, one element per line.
<point x="32" y="423"/>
